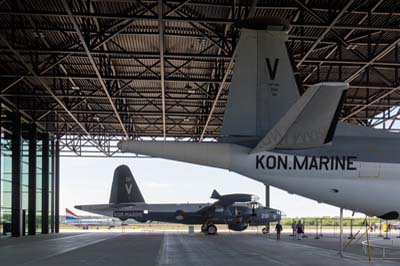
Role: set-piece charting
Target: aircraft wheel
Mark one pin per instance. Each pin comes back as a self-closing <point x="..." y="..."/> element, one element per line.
<point x="211" y="229"/>
<point x="265" y="230"/>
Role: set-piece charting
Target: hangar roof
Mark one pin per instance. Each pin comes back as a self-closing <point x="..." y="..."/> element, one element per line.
<point x="94" y="71"/>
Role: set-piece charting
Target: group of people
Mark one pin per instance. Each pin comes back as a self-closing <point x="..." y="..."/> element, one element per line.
<point x="297" y="228"/>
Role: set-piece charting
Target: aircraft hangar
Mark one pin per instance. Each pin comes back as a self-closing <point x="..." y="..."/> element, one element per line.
<point x="77" y="76"/>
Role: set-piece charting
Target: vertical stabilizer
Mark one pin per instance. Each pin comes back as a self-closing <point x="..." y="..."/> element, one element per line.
<point x="124" y="188"/>
<point x="263" y="85"/>
<point x="215" y="194"/>
<point x="70" y="216"/>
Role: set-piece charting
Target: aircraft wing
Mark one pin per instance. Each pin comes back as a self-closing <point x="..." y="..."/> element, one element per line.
<point x="224" y="201"/>
<point x="210" y="210"/>
<point x="310" y="122"/>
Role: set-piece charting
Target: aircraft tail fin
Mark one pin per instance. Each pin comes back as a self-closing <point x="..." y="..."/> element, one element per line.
<point x="310" y="122"/>
<point x="124" y="188"/>
<point x="215" y="194"/>
<point x="264" y="84"/>
<point x="70" y="216"/>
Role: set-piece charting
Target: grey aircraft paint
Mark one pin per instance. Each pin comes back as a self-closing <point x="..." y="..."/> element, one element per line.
<point x="238" y="211"/>
<point x="349" y="166"/>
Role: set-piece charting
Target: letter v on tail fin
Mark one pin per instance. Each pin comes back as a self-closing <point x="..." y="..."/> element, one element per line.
<point x="310" y="122"/>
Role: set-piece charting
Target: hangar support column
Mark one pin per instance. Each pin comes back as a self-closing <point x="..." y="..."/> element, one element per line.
<point x="267" y="203"/>
<point x="57" y="187"/>
<point x="16" y="218"/>
<point x="32" y="181"/>
<point x="45" y="183"/>
<point x="52" y="159"/>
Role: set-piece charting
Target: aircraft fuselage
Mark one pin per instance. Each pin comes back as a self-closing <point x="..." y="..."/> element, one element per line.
<point x="336" y="174"/>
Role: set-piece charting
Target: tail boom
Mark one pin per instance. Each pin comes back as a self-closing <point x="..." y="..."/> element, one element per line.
<point x="209" y="154"/>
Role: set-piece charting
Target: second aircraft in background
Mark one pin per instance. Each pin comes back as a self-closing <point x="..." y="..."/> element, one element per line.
<point x="238" y="211"/>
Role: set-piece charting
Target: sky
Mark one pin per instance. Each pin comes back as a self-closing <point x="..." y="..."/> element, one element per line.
<point x="88" y="181"/>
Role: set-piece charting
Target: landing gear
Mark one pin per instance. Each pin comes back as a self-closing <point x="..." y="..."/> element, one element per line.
<point x="204" y="228"/>
<point x="209" y="229"/>
<point x="265" y="230"/>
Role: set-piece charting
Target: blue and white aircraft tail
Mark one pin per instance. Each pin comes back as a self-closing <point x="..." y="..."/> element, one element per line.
<point x="277" y="134"/>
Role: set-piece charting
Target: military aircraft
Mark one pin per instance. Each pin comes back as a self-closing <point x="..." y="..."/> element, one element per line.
<point x="276" y="133"/>
<point x="238" y="211"/>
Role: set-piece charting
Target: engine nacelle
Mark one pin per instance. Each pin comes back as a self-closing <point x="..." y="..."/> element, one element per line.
<point x="141" y="220"/>
<point x="238" y="227"/>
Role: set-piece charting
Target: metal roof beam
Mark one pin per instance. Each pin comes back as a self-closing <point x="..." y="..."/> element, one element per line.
<point x="327" y="29"/>
<point x="141" y="113"/>
<point x="370" y="103"/>
<point x="162" y="63"/>
<point x="183" y="19"/>
<point x="172" y="10"/>
<point x="44" y="84"/>
<point x="341" y="39"/>
<point x="119" y="54"/>
<point x="126" y="78"/>
<point x="93" y="63"/>
<point x="345" y="62"/>
<point x="42" y="13"/>
<point x="378" y="56"/>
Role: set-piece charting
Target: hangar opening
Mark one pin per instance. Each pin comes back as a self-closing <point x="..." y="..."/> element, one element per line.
<point x="79" y="76"/>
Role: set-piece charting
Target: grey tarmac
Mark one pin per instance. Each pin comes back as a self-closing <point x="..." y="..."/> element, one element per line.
<point x="168" y="249"/>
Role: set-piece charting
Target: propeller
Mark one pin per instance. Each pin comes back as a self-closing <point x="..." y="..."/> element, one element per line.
<point x="238" y="216"/>
<point x="236" y="212"/>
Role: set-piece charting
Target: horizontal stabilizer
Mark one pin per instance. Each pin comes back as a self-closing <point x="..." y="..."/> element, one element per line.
<point x="310" y="122"/>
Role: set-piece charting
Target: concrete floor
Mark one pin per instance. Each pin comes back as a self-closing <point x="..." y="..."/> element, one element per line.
<point x="171" y="249"/>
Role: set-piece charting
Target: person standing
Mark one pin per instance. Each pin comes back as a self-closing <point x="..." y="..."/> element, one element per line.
<point x="278" y="229"/>
<point x="300" y="230"/>
<point x="294" y="229"/>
